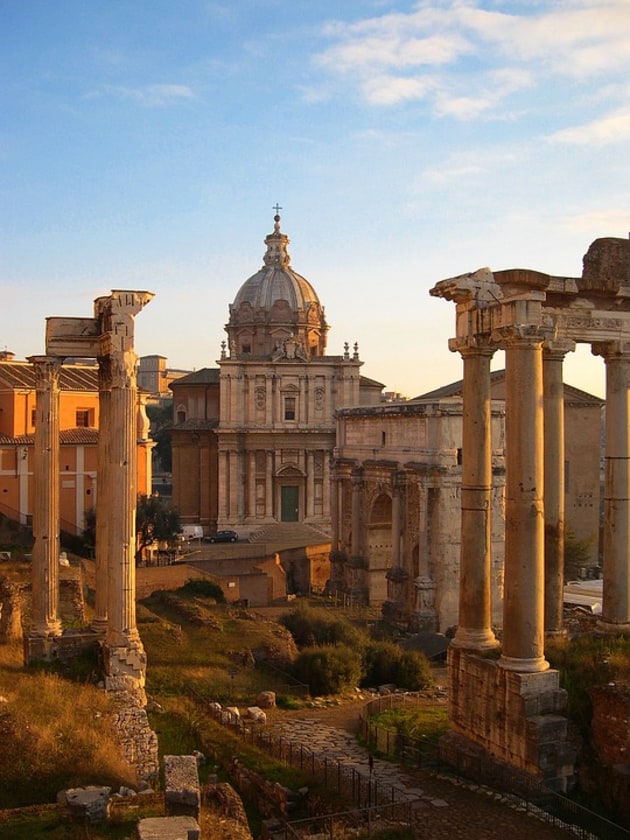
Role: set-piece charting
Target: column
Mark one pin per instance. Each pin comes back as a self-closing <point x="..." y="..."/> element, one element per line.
<point x="357" y="492"/>
<point x="553" y="403"/>
<point x="269" y="486"/>
<point x="475" y="605"/>
<point x="523" y="605"/>
<point x="224" y="483"/>
<point x="335" y="507"/>
<point x="326" y="487"/>
<point x="616" y="595"/>
<point x="397" y="482"/>
<point x="310" y="484"/>
<point x="45" y="564"/>
<point x="104" y="493"/>
<point x="241" y="469"/>
<point x="251" y="482"/>
<point x="124" y="653"/>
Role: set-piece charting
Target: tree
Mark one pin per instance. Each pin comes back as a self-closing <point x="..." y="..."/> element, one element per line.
<point x="155" y="521"/>
<point x="161" y="417"/>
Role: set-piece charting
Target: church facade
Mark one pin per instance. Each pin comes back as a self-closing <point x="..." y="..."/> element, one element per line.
<point x="273" y="431"/>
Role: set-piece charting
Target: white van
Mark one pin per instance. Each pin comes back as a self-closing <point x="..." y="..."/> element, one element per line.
<point x="191" y="532"/>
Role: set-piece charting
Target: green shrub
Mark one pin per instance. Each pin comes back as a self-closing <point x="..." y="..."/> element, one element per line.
<point x="202" y="588"/>
<point x="413" y="671"/>
<point x="311" y="627"/>
<point x="328" y="670"/>
<point x="386" y="662"/>
<point x="380" y="663"/>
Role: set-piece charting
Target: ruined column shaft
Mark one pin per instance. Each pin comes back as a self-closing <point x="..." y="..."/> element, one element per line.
<point x="121" y="613"/>
<point x="616" y="594"/>
<point x="103" y="498"/>
<point x="396" y="522"/>
<point x="45" y="572"/>
<point x="523" y="616"/>
<point x="475" y="606"/>
<point x="554" y="484"/>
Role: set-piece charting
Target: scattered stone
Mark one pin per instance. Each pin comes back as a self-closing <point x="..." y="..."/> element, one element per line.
<point x="256" y="714"/>
<point x="182" y="792"/>
<point x="266" y="699"/>
<point x="169" y="828"/>
<point x="87" y="805"/>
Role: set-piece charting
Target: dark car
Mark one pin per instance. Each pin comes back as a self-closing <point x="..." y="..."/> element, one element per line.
<point x="224" y="536"/>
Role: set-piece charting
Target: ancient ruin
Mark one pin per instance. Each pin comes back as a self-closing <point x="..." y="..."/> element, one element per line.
<point x="511" y="707"/>
<point x="109" y="338"/>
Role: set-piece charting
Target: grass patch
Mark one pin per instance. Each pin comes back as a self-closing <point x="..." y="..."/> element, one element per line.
<point x="429" y="722"/>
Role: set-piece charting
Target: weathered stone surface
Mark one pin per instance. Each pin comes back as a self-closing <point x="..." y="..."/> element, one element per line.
<point x="182" y="792"/>
<point x="256" y="714"/>
<point x="606" y="265"/>
<point x="10" y="611"/>
<point x="225" y="800"/>
<point x="89" y="804"/>
<point x="169" y="828"/>
<point x="266" y="699"/>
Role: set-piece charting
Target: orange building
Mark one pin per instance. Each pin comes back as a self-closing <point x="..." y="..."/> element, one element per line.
<point x="78" y="424"/>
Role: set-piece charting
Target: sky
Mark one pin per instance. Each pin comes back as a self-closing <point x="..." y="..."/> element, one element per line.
<point x="144" y="144"/>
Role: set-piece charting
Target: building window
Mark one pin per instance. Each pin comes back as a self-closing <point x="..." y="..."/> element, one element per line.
<point x="33" y="415"/>
<point x="289" y="408"/>
<point x="181" y="415"/>
<point x="84" y="418"/>
<point x="383" y="438"/>
<point x="246" y="348"/>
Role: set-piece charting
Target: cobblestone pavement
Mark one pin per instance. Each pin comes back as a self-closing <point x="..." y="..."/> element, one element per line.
<point x="443" y="808"/>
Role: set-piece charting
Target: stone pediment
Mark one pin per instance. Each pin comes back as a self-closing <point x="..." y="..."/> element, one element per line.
<point x="290" y="471"/>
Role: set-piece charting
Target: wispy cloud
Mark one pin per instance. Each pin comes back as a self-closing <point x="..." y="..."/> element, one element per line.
<point x="612" y="128"/>
<point x="149" y="96"/>
<point x="467" y="61"/>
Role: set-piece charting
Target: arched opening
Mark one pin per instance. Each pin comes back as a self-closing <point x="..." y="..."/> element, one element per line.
<point x="379" y="548"/>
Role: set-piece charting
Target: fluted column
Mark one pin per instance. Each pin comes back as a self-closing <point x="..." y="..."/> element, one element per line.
<point x="45" y="564"/>
<point x="475" y="605"/>
<point x="616" y="594"/>
<point x="326" y="487"/>
<point x="224" y="483"/>
<point x="523" y="607"/>
<point x="103" y="496"/>
<point x="553" y="402"/>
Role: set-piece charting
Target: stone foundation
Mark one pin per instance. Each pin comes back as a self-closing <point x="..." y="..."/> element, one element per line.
<point x="514" y="717"/>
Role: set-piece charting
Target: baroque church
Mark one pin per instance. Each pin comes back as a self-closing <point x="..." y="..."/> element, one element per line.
<point x="252" y="440"/>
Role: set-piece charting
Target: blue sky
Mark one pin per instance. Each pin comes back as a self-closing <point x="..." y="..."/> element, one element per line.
<point x="143" y="144"/>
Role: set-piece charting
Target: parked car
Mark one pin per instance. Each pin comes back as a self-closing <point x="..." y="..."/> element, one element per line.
<point x="224" y="536"/>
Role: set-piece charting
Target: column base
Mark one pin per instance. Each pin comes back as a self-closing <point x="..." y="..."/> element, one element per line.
<point x="525" y="666"/>
<point x="613" y="627"/>
<point x="99" y="626"/>
<point x="45" y="630"/>
<point x="471" y="639"/>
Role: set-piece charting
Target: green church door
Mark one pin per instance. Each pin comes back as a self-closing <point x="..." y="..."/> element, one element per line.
<point x="289" y="503"/>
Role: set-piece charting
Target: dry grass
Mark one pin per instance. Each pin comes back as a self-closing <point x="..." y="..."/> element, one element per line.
<point x="55" y="734"/>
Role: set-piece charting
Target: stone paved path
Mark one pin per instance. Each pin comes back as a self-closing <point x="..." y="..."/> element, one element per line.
<point x="444" y="810"/>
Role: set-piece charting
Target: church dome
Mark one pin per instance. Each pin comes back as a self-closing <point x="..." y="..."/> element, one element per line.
<point x="274" y="306"/>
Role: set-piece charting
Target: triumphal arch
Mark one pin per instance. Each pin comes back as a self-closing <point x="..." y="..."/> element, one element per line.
<point x="108" y="337"/>
<point x="509" y="706"/>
